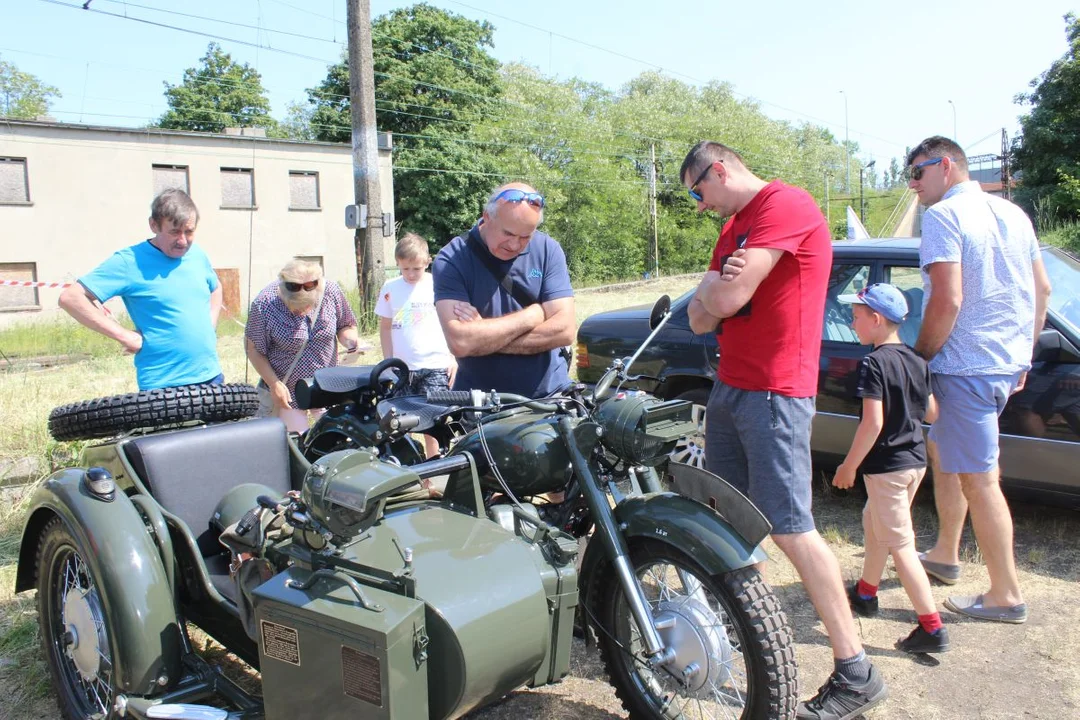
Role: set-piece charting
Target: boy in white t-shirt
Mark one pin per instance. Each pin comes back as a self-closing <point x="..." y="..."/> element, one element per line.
<point x="409" y="329"/>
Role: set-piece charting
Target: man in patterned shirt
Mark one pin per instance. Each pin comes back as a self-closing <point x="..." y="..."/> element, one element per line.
<point x="987" y="292"/>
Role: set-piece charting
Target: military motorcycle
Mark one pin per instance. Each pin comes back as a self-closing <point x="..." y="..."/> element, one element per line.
<point x="356" y="594"/>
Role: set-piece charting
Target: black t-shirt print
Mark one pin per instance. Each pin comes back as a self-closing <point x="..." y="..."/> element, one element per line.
<point x="899" y="378"/>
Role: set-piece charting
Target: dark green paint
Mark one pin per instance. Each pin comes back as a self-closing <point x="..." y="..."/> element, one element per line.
<point x="124" y="561"/>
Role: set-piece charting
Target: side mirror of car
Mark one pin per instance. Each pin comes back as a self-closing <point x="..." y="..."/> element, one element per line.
<point x="1052" y="346"/>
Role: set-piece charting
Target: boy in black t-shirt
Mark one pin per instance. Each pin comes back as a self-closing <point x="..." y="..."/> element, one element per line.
<point x="894" y="384"/>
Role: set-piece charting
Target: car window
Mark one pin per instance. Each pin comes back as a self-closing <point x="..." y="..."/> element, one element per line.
<point x="1064" y="274"/>
<point x="844" y="280"/>
<point x="910" y="282"/>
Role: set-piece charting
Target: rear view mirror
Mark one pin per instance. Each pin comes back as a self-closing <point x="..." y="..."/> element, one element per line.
<point x="659" y="310"/>
<point x="1052" y="346"/>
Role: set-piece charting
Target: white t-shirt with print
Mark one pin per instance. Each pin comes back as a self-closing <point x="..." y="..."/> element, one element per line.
<point x="415" y="331"/>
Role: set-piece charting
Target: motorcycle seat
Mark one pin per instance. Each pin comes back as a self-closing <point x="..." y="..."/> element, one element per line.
<point x="189" y="471"/>
<point x="332" y="385"/>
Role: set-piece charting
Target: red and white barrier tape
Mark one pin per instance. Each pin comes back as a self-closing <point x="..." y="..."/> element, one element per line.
<point x="31" y="283"/>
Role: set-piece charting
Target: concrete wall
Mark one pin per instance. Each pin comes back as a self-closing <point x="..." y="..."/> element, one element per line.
<point x="91" y="187"/>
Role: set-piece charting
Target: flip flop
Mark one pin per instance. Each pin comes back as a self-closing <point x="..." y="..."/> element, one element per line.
<point x="972" y="606"/>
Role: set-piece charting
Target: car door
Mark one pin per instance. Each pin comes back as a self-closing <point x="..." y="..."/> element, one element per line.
<point x="1040" y="427"/>
<point x="837" y="407"/>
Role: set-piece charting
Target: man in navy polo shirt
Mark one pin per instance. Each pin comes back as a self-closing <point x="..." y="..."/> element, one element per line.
<point x="503" y="295"/>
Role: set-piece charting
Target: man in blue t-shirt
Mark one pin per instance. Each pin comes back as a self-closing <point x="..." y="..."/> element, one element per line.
<point x="503" y="296"/>
<point x="171" y="293"/>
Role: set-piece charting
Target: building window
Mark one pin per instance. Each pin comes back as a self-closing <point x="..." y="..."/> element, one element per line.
<point x="303" y="190"/>
<point x="18" y="298"/>
<point x="170" y="176"/>
<point x="237" y="188"/>
<point x="14" y="182"/>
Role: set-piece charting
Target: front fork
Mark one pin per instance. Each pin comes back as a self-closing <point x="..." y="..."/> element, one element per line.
<point x="579" y="441"/>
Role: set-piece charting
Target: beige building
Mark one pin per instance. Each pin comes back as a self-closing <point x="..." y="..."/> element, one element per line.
<point x="70" y="195"/>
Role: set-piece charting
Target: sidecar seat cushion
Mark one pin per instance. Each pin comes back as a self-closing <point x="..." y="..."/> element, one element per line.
<point x="189" y="471"/>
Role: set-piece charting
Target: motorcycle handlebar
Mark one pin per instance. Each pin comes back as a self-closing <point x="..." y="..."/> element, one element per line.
<point x="449" y="397"/>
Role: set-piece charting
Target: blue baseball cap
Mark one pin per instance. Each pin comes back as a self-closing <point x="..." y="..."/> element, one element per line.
<point x="882" y="298"/>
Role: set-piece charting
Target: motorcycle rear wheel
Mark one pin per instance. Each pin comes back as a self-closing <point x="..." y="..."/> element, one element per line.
<point x="730" y="627"/>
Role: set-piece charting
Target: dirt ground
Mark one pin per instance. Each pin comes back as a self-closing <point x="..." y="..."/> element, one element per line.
<point x="994" y="671"/>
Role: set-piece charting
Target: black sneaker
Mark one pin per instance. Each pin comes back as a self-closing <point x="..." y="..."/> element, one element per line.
<point x="862" y="606"/>
<point x="920" y="641"/>
<point x="840" y="699"/>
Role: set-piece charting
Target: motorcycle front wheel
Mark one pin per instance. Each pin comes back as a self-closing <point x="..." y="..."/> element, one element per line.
<point x="734" y="653"/>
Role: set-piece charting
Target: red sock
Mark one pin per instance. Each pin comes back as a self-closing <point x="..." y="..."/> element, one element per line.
<point x="930" y="623"/>
<point x="866" y="591"/>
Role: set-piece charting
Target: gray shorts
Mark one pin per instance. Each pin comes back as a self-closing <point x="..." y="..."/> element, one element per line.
<point x="759" y="442"/>
<point x="966" y="431"/>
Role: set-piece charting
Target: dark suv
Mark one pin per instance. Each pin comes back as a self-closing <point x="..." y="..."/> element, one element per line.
<point x="1040" y="441"/>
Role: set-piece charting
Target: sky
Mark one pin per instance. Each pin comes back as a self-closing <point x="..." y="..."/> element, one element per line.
<point x="884" y="74"/>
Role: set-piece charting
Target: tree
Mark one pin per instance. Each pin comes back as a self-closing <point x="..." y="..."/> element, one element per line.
<point x="434" y="79"/>
<point x="218" y="94"/>
<point x="22" y="95"/>
<point x="1047" y="154"/>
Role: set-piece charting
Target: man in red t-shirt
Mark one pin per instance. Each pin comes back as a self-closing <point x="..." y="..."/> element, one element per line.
<point x="764" y="296"/>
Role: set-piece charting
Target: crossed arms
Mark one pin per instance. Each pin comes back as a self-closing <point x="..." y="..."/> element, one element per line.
<point x="721" y="294"/>
<point x="534" y="329"/>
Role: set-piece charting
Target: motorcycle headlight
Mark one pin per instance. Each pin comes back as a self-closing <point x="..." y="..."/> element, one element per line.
<point x="643" y="429"/>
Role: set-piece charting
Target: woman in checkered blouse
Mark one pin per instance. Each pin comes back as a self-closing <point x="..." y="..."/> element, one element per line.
<point x="298" y="314"/>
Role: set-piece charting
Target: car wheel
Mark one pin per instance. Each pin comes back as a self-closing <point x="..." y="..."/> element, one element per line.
<point x="690" y="449"/>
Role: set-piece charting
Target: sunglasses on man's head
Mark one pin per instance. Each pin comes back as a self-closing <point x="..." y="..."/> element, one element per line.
<point x="297" y="287"/>
<point x="915" y="172"/>
<point x="693" y="188"/>
<point x="514" y="195"/>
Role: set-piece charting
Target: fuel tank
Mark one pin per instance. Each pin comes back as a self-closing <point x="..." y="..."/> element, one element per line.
<point x="527" y="450"/>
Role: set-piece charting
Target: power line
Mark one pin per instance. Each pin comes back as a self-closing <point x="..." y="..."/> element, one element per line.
<point x="414" y="81"/>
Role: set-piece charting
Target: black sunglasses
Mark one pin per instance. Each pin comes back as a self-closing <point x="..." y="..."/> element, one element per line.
<point x="692" y="191"/>
<point x="915" y="172"/>
<point x="297" y="287"/>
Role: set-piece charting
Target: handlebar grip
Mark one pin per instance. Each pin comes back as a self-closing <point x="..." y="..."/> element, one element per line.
<point x="265" y="501"/>
<point x="449" y="397"/>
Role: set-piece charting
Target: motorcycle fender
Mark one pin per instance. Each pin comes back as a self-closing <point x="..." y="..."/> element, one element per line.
<point x="137" y="600"/>
<point x="689" y="526"/>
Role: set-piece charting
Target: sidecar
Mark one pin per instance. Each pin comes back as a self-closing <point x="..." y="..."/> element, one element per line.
<point x="377" y="605"/>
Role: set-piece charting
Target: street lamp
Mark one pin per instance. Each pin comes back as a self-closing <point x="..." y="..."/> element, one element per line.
<point x="862" y="203"/>
<point x="847" y="145"/>
<point x="955" y="140"/>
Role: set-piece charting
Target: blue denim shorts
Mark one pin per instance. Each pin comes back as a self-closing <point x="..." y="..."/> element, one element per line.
<point x="966" y="431"/>
<point x="759" y="441"/>
<point x="423" y="380"/>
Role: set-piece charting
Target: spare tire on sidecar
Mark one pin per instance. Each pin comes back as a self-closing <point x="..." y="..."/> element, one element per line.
<point x="150" y="409"/>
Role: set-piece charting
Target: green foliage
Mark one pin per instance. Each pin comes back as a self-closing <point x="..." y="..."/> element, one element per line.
<point x="434" y="79"/>
<point x="1048" y="151"/>
<point x="220" y="93"/>
<point x="22" y="95"/>
<point x="586" y="148"/>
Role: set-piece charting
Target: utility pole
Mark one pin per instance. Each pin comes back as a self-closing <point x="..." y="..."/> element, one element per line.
<point x="652" y="203"/>
<point x="828" y="218"/>
<point x="955" y="139"/>
<point x="847" y="145"/>
<point x="370" y="268"/>
<point x="1006" y="166"/>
